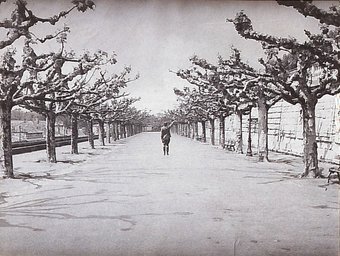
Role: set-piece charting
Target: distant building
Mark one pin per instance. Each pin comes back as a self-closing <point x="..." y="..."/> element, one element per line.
<point x="27" y="130"/>
<point x="33" y="130"/>
<point x="148" y="128"/>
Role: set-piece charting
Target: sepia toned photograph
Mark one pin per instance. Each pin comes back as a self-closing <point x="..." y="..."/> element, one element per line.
<point x="169" y="128"/>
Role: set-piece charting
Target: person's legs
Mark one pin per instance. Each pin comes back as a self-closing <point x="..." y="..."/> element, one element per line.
<point x="164" y="148"/>
<point x="167" y="147"/>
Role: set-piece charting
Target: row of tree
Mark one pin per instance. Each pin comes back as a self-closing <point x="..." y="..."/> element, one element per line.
<point x="58" y="82"/>
<point x="299" y="73"/>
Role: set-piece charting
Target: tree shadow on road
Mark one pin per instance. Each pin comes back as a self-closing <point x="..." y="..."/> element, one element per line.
<point x="68" y="161"/>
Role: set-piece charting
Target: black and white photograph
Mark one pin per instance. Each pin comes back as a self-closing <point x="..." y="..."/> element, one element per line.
<point x="169" y="128"/>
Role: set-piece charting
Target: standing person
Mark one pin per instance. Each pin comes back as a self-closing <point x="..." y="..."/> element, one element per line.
<point x="165" y="136"/>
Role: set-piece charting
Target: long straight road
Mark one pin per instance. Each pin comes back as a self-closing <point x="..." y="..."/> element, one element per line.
<point x="126" y="198"/>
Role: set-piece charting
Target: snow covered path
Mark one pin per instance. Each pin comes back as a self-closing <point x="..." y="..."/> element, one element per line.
<point x="126" y="198"/>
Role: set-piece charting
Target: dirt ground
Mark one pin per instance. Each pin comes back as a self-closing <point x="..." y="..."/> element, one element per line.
<point x="126" y="198"/>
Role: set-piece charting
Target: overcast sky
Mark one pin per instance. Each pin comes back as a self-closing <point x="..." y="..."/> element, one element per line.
<point x="154" y="36"/>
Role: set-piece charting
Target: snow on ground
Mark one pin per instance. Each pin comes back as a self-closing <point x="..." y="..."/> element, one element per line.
<point x="126" y="198"/>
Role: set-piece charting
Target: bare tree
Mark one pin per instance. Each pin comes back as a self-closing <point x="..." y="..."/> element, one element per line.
<point x="307" y="8"/>
<point x="199" y="104"/>
<point x="64" y="86"/>
<point x="251" y="92"/>
<point x="112" y="110"/>
<point x="314" y="73"/>
<point x="105" y="88"/>
<point x="19" y="25"/>
<point x="223" y="86"/>
<point x="205" y="98"/>
<point x="131" y="119"/>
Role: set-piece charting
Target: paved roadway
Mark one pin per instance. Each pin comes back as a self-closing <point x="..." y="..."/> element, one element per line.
<point x="128" y="199"/>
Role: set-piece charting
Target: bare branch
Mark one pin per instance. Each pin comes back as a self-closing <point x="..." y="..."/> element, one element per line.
<point x="306" y="8"/>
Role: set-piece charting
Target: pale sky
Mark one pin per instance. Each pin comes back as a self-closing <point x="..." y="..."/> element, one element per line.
<point x="154" y="36"/>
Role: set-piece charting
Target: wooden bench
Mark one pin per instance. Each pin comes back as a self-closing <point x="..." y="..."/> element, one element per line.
<point x="230" y="145"/>
<point x="199" y="138"/>
<point x="333" y="170"/>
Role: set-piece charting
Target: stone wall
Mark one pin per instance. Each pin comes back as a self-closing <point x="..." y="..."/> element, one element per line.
<point x="285" y="128"/>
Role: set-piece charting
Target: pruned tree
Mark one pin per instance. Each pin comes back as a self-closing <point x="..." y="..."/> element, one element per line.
<point x="131" y="119"/>
<point x="112" y="110"/>
<point x="215" y="104"/>
<point x="91" y="95"/>
<point x="12" y="71"/>
<point x="314" y="73"/>
<point x="226" y="85"/>
<point x="197" y="104"/>
<point x="307" y="8"/>
<point x="251" y="92"/>
<point x="123" y="116"/>
<point x="64" y="81"/>
<point x="140" y="120"/>
<point x="23" y="19"/>
<point x="229" y="86"/>
<point x="189" y="116"/>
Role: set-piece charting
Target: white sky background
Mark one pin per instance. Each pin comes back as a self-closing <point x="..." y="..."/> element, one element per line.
<point x="154" y="36"/>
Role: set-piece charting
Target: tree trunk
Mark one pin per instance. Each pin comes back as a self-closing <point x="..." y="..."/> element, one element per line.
<point x="118" y="131"/>
<point x="6" y="159"/>
<point x="249" y="150"/>
<point x="189" y="130"/>
<point x="222" y="131"/>
<point x="212" y="131"/>
<point x="90" y="131"/>
<point x="124" y="131"/>
<point x="263" y="128"/>
<point x="176" y="128"/>
<point x="74" y="134"/>
<point x="114" y="129"/>
<point x="310" y="153"/>
<point x="50" y="137"/>
<point x="131" y="130"/>
<point x="192" y="127"/>
<point x="101" y="133"/>
<point x="192" y="131"/>
<point x="196" y="129"/>
<point x="108" y="133"/>
<point x="204" y="132"/>
<point x="239" y="139"/>
<point x="127" y="130"/>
